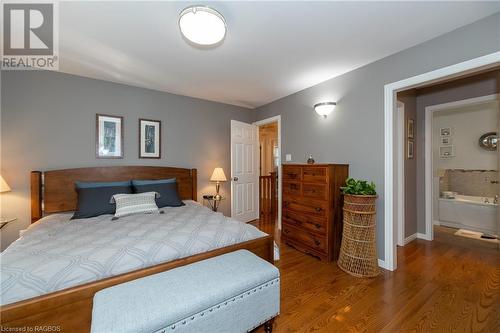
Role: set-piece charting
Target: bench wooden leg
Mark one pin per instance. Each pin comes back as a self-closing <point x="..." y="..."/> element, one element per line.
<point x="268" y="326"/>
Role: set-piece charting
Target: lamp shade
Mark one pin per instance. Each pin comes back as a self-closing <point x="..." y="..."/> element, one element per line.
<point x="4" y="187"/>
<point x="325" y="108"/>
<point x="218" y="175"/>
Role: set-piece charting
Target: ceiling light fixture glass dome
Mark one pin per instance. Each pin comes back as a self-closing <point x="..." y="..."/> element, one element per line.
<point x="202" y="25"/>
<point x="325" y="108"/>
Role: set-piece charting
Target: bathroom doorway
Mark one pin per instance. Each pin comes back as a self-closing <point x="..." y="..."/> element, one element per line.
<point x="461" y="145"/>
<point x="449" y="180"/>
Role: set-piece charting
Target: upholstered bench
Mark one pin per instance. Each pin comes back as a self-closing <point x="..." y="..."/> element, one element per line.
<point x="234" y="292"/>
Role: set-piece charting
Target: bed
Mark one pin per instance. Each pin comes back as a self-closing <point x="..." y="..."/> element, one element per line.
<point x="50" y="275"/>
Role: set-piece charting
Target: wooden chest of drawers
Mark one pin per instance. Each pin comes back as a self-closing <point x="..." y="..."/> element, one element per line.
<point x="312" y="208"/>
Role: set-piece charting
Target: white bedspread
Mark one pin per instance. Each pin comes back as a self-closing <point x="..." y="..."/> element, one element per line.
<point x="57" y="253"/>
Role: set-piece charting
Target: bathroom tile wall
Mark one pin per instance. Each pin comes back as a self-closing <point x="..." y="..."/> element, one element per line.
<point x="481" y="183"/>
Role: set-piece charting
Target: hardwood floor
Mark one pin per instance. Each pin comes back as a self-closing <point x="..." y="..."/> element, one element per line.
<point x="439" y="287"/>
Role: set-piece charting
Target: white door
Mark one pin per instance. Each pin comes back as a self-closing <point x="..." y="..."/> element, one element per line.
<point x="244" y="171"/>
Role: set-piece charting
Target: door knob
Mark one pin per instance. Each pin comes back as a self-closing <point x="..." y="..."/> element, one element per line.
<point x="235" y="179"/>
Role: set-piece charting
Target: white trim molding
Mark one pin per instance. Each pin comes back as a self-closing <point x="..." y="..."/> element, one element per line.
<point x="410" y="238"/>
<point x="401" y="146"/>
<point x="423" y="236"/>
<point x="383" y="264"/>
<point x="391" y="154"/>
<point x="268" y="121"/>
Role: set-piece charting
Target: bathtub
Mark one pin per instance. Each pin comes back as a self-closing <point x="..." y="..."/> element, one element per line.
<point x="469" y="212"/>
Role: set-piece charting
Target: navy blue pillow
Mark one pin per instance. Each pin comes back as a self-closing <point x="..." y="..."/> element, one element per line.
<point x="94" y="198"/>
<point x="136" y="182"/>
<point x="167" y="188"/>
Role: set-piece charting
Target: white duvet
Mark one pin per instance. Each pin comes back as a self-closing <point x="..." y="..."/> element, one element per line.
<point x="57" y="253"/>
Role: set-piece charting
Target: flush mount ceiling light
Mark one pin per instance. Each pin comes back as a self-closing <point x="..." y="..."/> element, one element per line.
<point x="202" y="25"/>
<point x="325" y="108"/>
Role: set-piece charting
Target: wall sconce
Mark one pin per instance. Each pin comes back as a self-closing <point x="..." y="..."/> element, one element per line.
<point x="324" y="108"/>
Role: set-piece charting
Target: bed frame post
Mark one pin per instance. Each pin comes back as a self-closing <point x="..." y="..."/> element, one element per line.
<point x="194" y="180"/>
<point x="36" y="196"/>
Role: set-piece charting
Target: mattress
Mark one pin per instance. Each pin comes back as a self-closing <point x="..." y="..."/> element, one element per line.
<point x="57" y="253"/>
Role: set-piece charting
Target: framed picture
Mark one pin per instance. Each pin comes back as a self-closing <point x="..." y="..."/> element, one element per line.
<point x="410" y="151"/>
<point x="149" y="138"/>
<point x="411" y="129"/>
<point x="446" y="140"/>
<point x="109" y="136"/>
<point x="447" y="151"/>
<point x="446" y="131"/>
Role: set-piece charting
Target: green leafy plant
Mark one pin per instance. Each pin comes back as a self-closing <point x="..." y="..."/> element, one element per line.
<point x="358" y="187"/>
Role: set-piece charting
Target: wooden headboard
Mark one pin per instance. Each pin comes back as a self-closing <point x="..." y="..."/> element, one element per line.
<point x="58" y="187"/>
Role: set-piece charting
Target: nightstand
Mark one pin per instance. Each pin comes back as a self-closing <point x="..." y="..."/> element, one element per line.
<point x="213" y="201"/>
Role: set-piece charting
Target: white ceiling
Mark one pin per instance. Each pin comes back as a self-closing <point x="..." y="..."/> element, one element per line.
<point x="272" y="49"/>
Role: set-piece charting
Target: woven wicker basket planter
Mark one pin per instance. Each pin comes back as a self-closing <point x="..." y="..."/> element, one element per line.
<point x="358" y="250"/>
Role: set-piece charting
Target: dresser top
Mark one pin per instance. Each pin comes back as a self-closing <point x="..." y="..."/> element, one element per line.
<point x="313" y="165"/>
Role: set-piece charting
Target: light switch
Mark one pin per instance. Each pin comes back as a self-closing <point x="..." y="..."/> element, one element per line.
<point x="288" y="157"/>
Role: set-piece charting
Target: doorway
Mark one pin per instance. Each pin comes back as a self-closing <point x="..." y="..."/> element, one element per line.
<point x="461" y="168"/>
<point x="272" y="162"/>
<point x="392" y="198"/>
<point x="268" y="171"/>
<point x="256" y="170"/>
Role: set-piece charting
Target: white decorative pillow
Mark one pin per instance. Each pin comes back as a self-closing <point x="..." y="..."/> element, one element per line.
<point x="128" y="204"/>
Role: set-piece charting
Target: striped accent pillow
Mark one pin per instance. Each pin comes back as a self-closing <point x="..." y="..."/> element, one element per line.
<point x="128" y="204"/>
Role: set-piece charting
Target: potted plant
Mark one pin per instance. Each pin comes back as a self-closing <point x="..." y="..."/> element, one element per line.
<point x="358" y="250"/>
<point x="359" y="195"/>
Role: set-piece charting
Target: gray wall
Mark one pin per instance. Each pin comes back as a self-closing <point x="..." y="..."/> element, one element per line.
<point x="354" y="133"/>
<point x="409" y="99"/>
<point x="48" y="122"/>
<point x="469" y="87"/>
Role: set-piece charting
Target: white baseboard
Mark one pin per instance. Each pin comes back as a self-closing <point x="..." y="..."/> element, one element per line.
<point x="436" y="222"/>
<point x="383" y="264"/>
<point x="423" y="236"/>
<point x="410" y="238"/>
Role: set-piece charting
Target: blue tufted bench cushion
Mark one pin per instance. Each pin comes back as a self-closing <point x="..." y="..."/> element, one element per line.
<point x="234" y="292"/>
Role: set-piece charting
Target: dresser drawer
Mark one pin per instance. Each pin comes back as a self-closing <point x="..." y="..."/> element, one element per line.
<point x="316" y="242"/>
<point x="292" y="173"/>
<point x="315" y="191"/>
<point x="314" y="174"/>
<point x="292" y="188"/>
<point x="318" y="208"/>
<point x="306" y="222"/>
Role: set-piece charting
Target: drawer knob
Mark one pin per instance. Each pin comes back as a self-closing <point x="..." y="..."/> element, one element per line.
<point x="317" y="242"/>
<point x="287" y="231"/>
<point x="317" y="225"/>
<point x="318" y="209"/>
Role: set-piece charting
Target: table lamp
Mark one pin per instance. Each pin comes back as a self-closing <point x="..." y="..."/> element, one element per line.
<point x="218" y="176"/>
